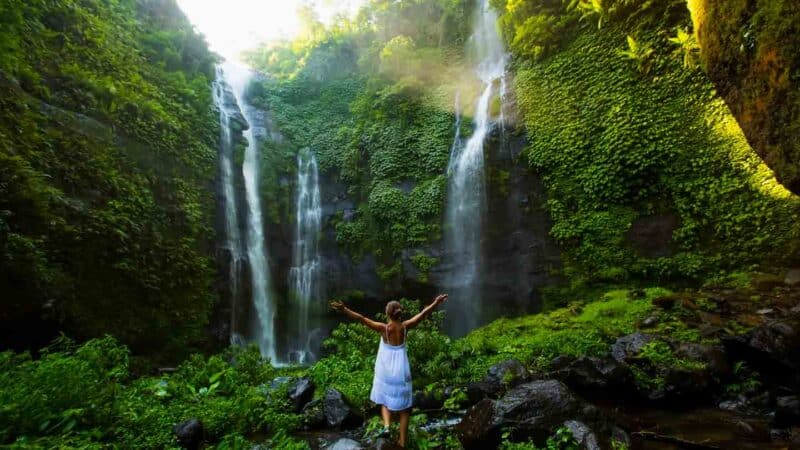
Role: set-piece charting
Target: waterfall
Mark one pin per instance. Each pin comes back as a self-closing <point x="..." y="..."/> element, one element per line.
<point x="260" y="283"/>
<point x="233" y="238"/>
<point x="304" y="276"/>
<point x="466" y="201"/>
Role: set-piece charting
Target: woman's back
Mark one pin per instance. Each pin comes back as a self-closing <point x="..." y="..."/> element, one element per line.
<point x="395" y="333"/>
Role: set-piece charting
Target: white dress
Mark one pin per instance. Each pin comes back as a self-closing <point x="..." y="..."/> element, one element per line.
<point x="391" y="386"/>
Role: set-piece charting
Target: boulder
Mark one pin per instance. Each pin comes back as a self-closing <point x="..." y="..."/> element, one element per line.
<point x="337" y="412"/>
<point x="792" y="277"/>
<point x="479" y="390"/>
<point x="628" y="347"/>
<point x="508" y="373"/>
<point x="787" y="410"/>
<point x="313" y="417"/>
<point x="301" y="392"/>
<point x="429" y="399"/>
<point x="773" y="346"/>
<point x="500" y="376"/>
<point x="712" y="356"/>
<point x="532" y="409"/>
<point x="583" y="435"/>
<point x="189" y="433"/>
<point x="345" y="444"/>
<point x="682" y="384"/>
<point x="596" y="374"/>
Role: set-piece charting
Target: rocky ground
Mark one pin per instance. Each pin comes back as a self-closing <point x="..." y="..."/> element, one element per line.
<point x="727" y="378"/>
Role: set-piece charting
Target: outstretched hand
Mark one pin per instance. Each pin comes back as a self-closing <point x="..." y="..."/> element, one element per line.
<point x="440" y="299"/>
<point x="337" y="305"/>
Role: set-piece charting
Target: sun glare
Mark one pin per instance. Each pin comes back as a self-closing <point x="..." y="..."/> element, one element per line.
<point x="232" y="26"/>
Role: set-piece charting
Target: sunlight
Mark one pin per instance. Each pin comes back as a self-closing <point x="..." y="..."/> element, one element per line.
<point x="233" y="26"/>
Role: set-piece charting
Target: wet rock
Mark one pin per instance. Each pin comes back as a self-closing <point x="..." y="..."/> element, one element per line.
<point x="338" y="414"/>
<point x="479" y="390"/>
<point x="429" y="400"/>
<point x="650" y="322"/>
<point x="345" y="444"/>
<point x="628" y="347"/>
<point x="385" y="444"/>
<point x="500" y="377"/>
<point x="713" y="357"/>
<point x="508" y="373"/>
<point x="561" y="362"/>
<point x="792" y="277"/>
<point x="773" y="346"/>
<point x="189" y="433"/>
<point x="313" y="417"/>
<point x="621" y="437"/>
<point x="682" y="384"/>
<point x="532" y="409"/>
<point x="787" y="410"/>
<point x="301" y="392"/>
<point x="583" y="435"/>
<point x="598" y="374"/>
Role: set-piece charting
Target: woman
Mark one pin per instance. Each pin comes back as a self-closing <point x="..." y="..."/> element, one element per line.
<point x="391" y="384"/>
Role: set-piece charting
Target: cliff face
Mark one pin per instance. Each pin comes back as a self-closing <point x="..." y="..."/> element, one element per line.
<point x="751" y="52"/>
<point x="107" y="144"/>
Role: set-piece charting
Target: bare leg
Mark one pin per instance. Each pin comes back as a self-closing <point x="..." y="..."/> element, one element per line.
<point x="386" y="415"/>
<point x="404" y="415"/>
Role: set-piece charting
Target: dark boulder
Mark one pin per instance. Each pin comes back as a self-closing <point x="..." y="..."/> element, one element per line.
<point x="301" y="392"/>
<point x="596" y="375"/>
<point x="500" y="377"/>
<point x="712" y="356"/>
<point x="773" y="346"/>
<point x="429" y="399"/>
<point x="338" y="413"/>
<point x="628" y="347"/>
<point x="189" y="433"/>
<point x="682" y="385"/>
<point x="787" y="410"/>
<point x="508" y="373"/>
<point x="532" y="409"/>
<point x="583" y="435"/>
<point x="313" y="417"/>
<point x="479" y="390"/>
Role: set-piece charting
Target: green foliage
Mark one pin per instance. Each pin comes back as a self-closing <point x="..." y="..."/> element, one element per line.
<point x="614" y="146"/>
<point x="575" y="330"/>
<point x="107" y="146"/>
<point x="84" y="396"/>
<point x="639" y="53"/>
<point x="687" y="47"/>
<point x="561" y="439"/>
<point x="365" y="96"/>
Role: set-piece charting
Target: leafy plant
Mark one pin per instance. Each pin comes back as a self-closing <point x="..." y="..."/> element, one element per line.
<point x="639" y="53"/>
<point x="688" y="48"/>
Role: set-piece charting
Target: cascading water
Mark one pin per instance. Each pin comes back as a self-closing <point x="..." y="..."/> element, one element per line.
<point x="233" y="238"/>
<point x="261" y="284"/>
<point x="304" y="275"/>
<point x="466" y="202"/>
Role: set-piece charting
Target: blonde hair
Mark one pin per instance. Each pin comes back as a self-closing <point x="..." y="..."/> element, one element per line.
<point x="394" y="310"/>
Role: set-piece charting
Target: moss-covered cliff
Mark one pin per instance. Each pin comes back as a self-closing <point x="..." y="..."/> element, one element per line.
<point x="107" y="150"/>
<point x="751" y="52"/>
<point x="647" y="175"/>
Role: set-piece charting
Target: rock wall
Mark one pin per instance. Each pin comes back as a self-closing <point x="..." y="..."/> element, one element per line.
<point x="751" y="52"/>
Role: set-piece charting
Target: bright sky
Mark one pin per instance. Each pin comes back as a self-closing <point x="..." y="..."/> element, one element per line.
<point x="231" y="26"/>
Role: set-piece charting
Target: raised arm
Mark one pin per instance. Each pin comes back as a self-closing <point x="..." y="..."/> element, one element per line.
<point x="426" y="311"/>
<point x="336" y="305"/>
